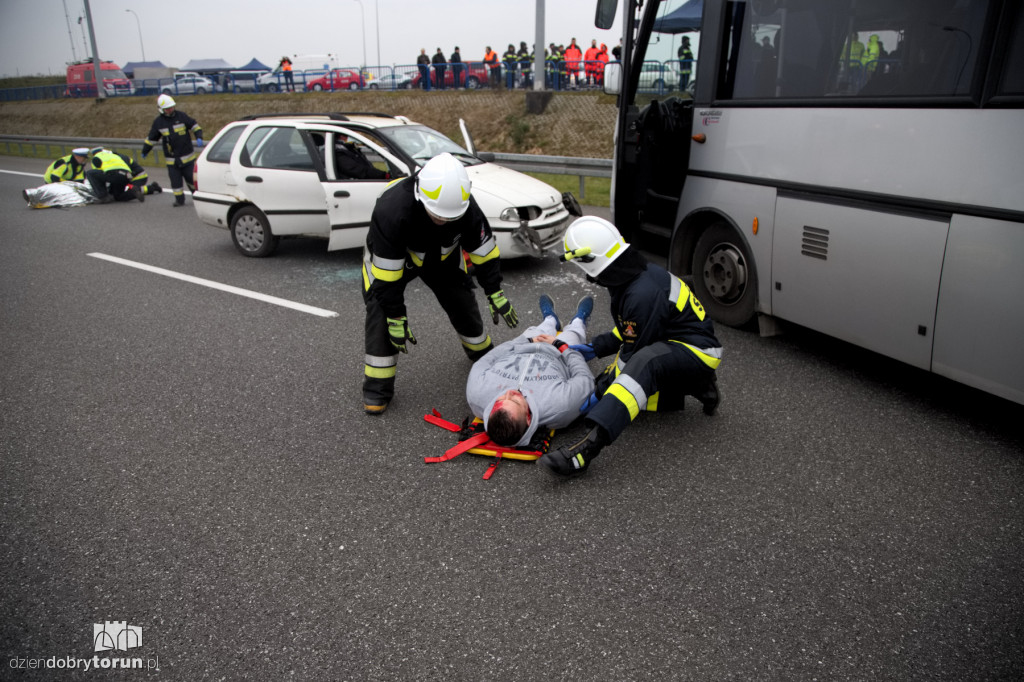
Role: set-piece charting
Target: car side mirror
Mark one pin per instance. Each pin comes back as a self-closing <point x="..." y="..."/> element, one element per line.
<point x="486" y="156"/>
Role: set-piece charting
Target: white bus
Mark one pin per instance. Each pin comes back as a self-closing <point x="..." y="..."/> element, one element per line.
<point x="852" y="166"/>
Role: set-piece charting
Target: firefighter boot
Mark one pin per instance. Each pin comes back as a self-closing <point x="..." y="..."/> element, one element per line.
<point x="574" y="459"/>
<point x="377" y="406"/>
<point x="179" y="200"/>
<point x="154" y="188"/>
<point x="710" y="397"/>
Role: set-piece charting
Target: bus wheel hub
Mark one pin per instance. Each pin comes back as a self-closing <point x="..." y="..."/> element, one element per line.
<point x="725" y="274"/>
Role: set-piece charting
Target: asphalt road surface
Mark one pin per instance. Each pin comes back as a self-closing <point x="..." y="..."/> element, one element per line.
<point x="196" y="463"/>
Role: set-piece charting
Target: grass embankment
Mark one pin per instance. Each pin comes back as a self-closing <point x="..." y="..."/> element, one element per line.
<point x="574" y="124"/>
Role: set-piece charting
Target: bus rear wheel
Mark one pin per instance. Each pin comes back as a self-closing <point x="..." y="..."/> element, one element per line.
<point x="723" y="276"/>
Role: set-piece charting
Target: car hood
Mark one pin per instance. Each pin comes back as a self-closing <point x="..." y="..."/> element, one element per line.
<point x="496" y="188"/>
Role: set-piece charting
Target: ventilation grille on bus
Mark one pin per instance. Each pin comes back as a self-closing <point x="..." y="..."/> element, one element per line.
<point x="815" y="242"/>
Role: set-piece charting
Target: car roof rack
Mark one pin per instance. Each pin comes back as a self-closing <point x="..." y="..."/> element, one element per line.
<point x="332" y="115"/>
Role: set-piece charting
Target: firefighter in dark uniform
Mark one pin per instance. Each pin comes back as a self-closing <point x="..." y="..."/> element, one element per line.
<point x="665" y="344"/>
<point x="174" y="129"/>
<point x="110" y="177"/>
<point x="71" y="167"/>
<point x="420" y="227"/>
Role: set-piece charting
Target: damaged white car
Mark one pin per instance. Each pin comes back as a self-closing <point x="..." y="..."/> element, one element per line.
<point x="268" y="177"/>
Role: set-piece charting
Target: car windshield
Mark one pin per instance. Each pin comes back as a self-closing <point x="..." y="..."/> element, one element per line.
<point x="423" y="144"/>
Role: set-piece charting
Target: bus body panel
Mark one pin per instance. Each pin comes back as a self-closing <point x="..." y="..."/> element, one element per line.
<point x="979" y="324"/>
<point x="827" y="265"/>
<point x="867" y="150"/>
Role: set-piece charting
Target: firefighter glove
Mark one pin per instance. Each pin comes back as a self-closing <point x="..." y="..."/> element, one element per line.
<point x="199" y="142"/>
<point x="500" y="306"/>
<point x="398" y="328"/>
<point x="586" y="350"/>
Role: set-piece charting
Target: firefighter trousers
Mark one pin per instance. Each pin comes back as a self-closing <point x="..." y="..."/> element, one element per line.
<point x="180" y="173"/>
<point x="656" y="378"/>
<point x="454" y="291"/>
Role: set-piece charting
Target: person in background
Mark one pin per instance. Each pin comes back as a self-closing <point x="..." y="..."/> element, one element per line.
<point x="423" y="62"/>
<point x="110" y="177"/>
<point x="685" y="55"/>
<point x="457" y="68"/>
<point x="617" y="51"/>
<point x="174" y="130"/>
<point x="70" y="167"/>
<point x="665" y="345"/>
<point x="440" y="66"/>
<point x="420" y="228"/>
<point x="286" y="69"/>
<point x="491" y="60"/>
<point x="572" y="64"/>
<point x="139" y="177"/>
<point x="590" y="63"/>
<point x="509" y="59"/>
<point x="535" y="380"/>
<point x="525" y="58"/>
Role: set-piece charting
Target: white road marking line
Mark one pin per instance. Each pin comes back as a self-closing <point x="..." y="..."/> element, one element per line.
<point x="301" y="307"/>
<point x="31" y="175"/>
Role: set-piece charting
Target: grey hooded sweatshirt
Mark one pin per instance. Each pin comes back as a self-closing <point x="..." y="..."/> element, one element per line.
<point x="554" y="384"/>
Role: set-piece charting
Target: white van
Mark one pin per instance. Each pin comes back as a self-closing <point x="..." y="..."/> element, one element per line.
<point x="304" y="66"/>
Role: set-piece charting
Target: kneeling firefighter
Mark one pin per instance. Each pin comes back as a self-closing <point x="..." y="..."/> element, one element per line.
<point x="665" y="344"/>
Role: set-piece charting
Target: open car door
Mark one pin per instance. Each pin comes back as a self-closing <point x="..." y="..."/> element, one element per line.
<point x="358" y="171"/>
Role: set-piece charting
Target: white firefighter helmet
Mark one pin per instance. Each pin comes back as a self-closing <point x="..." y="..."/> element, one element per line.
<point x="164" y="102"/>
<point x="443" y="187"/>
<point x="593" y="243"/>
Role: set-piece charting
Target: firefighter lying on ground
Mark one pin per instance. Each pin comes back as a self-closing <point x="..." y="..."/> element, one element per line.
<point x="535" y="381"/>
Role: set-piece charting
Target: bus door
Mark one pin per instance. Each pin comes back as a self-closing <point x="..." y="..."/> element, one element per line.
<point x="828" y="258"/>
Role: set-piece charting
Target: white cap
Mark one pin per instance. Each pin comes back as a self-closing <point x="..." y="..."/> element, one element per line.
<point x="80" y="151"/>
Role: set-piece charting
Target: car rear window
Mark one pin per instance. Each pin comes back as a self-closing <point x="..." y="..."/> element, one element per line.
<point x="221" y="150"/>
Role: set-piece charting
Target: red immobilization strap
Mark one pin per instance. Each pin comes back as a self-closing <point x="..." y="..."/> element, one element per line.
<point x="465" y="445"/>
<point x="436" y="420"/>
<point x="490" y="469"/>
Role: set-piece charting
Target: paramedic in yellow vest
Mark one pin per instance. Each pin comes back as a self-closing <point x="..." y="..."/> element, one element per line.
<point x="70" y="167"/>
<point x="110" y="178"/>
<point x="872" y="53"/>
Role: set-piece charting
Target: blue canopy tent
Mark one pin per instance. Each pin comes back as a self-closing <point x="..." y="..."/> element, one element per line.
<point x="254" y="65"/>
<point x="683" y="20"/>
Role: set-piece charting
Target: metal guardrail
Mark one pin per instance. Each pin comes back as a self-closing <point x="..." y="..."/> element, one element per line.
<point x="525" y="163"/>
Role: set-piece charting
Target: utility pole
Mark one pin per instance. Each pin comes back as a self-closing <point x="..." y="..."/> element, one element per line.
<point x="97" y="72"/>
<point x="539" y="77"/>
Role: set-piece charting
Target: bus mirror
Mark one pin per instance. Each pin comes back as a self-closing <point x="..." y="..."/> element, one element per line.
<point x="606" y="13"/>
<point x="612" y="78"/>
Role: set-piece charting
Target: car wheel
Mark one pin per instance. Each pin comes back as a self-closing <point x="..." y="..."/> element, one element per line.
<point x="251" y="233"/>
<point x="373" y="86"/>
<point x="723" y="276"/>
<point x="166" y="91"/>
<point x="317" y="87"/>
<point x="472" y="83"/>
<point x="272" y="87"/>
<point x="200" y="91"/>
<point x="353" y="86"/>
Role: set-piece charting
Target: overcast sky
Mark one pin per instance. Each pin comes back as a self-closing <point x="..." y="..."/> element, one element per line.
<point x="40" y="37"/>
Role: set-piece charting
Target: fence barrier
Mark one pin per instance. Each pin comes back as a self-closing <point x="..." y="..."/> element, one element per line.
<point x="658" y="78"/>
<point x="54" y="147"/>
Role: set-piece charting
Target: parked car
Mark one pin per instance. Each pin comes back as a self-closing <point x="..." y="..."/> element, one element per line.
<point x="337" y="79"/>
<point x="391" y="81"/>
<point x="189" y="85"/>
<point x="267" y="177"/>
<point x="474" y="75"/>
<point x="81" y="81"/>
